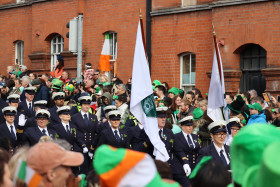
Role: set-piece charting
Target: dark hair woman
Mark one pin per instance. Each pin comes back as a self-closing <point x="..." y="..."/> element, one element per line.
<point x="59" y="67"/>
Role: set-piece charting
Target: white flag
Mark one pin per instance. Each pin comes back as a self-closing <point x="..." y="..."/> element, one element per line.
<point x="216" y="98"/>
<point x="142" y="104"/>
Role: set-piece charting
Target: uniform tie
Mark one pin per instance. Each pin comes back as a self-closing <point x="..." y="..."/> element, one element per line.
<point x="223" y="159"/>
<point x="30" y="107"/>
<point x="44" y="132"/>
<point x="117" y="136"/>
<point x="67" y="129"/>
<point x="86" y="119"/>
<point x="190" y="142"/>
<point x="160" y="133"/>
<point x="12" y="132"/>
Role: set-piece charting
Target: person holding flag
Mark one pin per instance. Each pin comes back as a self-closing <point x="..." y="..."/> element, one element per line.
<point x="142" y="104"/>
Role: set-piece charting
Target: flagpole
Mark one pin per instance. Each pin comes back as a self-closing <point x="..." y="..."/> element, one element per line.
<point x="142" y="30"/>
<point x="217" y="52"/>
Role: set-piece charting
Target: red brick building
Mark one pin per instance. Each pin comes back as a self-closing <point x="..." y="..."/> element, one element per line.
<point x="181" y="38"/>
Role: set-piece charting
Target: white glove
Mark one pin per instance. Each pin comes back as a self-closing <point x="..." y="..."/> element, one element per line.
<point x="85" y="150"/>
<point x="90" y="155"/>
<point x="21" y="120"/>
<point x="187" y="169"/>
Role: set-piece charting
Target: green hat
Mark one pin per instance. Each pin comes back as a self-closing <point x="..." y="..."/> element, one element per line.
<point x="114" y="166"/>
<point x="248" y="146"/>
<point x="237" y="104"/>
<point x="105" y="83"/>
<point x="70" y="87"/>
<point x="156" y="83"/>
<point x="268" y="173"/>
<point x="202" y="162"/>
<point x="197" y="114"/>
<point x="256" y="106"/>
<point x="174" y="90"/>
<point x="97" y="89"/>
<point x="57" y="84"/>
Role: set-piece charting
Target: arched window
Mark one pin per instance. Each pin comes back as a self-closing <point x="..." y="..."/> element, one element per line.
<point x="113" y="44"/>
<point x="252" y="60"/>
<point x="57" y="45"/>
<point x="187" y="71"/>
<point x="19" y="52"/>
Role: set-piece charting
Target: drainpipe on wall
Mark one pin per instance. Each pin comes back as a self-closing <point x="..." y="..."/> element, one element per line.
<point x="149" y="31"/>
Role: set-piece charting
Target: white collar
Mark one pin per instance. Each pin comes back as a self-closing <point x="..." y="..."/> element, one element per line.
<point x="185" y="134"/>
<point x="82" y="112"/>
<point x="219" y="149"/>
<point x="41" y="129"/>
<point x="8" y="125"/>
<point x="27" y="102"/>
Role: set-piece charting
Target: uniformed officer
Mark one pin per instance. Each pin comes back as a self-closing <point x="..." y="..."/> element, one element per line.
<point x="27" y="105"/>
<point x="217" y="149"/>
<point x="87" y="125"/>
<point x="138" y="140"/>
<point x="13" y="100"/>
<point x="66" y="129"/>
<point x="186" y="148"/>
<point x="59" y="102"/>
<point x="106" y="124"/>
<point x="8" y="128"/>
<point x="31" y="121"/>
<point x="165" y="134"/>
<point x="32" y="135"/>
<point x="114" y="136"/>
<point x="2" y="105"/>
<point x="77" y="108"/>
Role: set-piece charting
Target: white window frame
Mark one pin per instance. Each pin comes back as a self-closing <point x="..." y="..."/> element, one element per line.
<point x="54" y="53"/>
<point x="19" y="45"/>
<point x="20" y="1"/>
<point x="113" y="49"/>
<point x="186" y="87"/>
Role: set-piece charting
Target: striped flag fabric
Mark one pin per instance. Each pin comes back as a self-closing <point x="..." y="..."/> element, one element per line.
<point x="142" y="104"/>
<point x="104" y="61"/>
<point x="25" y="176"/>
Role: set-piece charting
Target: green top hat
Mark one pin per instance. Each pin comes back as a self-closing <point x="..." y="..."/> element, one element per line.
<point x="57" y="84"/>
<point x="268" y="173"/>
<point x="174" y="90"/>
<point x="237" y="104"/>
<point x="248" y="146"/>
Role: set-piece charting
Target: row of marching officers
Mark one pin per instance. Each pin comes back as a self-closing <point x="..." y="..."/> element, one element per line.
<point x="83" y="131"/>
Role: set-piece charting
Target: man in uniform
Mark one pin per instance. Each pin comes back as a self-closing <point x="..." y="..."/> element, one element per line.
<point x="32" y="135"/>
<point x="27" y="105"/>
<point x="217" y="149"/>
<point x="59" y="102"/>
<point x="165" y="134"/>
<point x="31" y="121"/>
<point x="86" y="123"/>
<point x="106" y="124"/>
<point x="186" y="148"/>
<point x="2" y="105"/>
<point x="8" y="128"/>
<point x="113" y="136"/>
<point x="14" y="101"/>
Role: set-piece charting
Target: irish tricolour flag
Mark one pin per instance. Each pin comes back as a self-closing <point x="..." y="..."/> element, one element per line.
<point x="25" y="176"/>
<point x="104" y="61"/>
<point x="142" y="104"/>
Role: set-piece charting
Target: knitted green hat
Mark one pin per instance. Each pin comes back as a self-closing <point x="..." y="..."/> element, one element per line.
<point x="268" y="173"/>
<point x="174" y="90"/>
<point x="197" y="114"/>
<point x="117" y="167"/>
<point x="248" y="146"/>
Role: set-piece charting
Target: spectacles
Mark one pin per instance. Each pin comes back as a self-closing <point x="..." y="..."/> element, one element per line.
<point x="96" y="74"/>
<point x="220" y="135"/>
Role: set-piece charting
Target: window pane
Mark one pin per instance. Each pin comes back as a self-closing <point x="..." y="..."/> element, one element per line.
<point x="54" y="48"/>
<point x="193" y="69"/>
<point x="58" y="48"/>
<point x="186" y="69"/>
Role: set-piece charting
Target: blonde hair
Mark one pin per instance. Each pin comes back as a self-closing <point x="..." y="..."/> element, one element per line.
<point x="14" y="161"/>
<point x="202" y="103"/>
<point x="105" y="78"/>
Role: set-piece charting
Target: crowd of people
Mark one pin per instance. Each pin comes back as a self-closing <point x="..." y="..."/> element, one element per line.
<point x="83" y="134"/>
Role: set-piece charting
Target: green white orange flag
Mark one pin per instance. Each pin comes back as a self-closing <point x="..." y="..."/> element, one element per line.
<point x="104" y="61"/>
<point x="142" y="104"/>
<point x="25" y="176"/>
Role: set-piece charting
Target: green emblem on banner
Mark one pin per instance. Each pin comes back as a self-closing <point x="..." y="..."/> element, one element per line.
<point x="149" y="107"/>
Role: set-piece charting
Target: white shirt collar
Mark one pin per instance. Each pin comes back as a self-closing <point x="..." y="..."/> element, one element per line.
<point x="84" y="113"/>
<point x="41" y="129"/>
<point x="115" y="130"/>
<point x="27" y="102"/>
<point x="8" y="125"/>
<point x="64" y="125"/>
<point x="219" y="149"/>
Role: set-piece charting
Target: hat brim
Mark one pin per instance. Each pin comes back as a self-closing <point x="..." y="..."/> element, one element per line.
<point x="72" y="158"/>
<point x="30" y="93"/>
<point x="161" y="115"/>
<point x="195" y="119"/>
<point x="9" y="114"/>
<point x="186" y="124"/>
<point x="115" y="118"/>
<point x="218" y="130"/>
